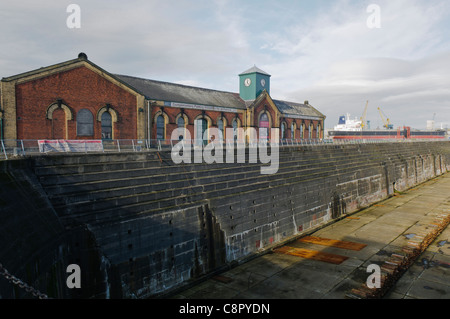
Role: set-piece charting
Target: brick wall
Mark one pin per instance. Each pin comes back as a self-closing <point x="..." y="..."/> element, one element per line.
<point x="212" y="116"/>
<point x="79" y="88"/>
<point x="173" y="113"/>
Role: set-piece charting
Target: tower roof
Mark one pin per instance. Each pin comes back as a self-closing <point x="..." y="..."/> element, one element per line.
<point x="255" y="69"/>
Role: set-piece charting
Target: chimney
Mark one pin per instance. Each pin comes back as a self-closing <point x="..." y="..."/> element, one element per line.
<point x="82" y="56"/>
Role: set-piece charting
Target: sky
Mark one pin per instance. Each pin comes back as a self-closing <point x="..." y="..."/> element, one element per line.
<point x="336" y="54"/>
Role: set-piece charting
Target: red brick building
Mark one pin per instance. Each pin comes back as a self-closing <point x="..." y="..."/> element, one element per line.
<point x="77" y="99"/>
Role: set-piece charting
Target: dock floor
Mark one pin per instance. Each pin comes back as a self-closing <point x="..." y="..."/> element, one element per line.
<point x="406" y="236"/>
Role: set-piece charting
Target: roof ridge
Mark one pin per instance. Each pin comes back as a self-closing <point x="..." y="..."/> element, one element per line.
<point x="255" y="69"/>
<point x="286" y="101"/>
<point x="176" y="84"/>
<point x="296" y="104"/>
<point x="41" y="69"/>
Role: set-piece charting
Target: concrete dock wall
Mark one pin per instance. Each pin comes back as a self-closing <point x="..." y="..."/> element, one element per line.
<point x="140" y="226"/>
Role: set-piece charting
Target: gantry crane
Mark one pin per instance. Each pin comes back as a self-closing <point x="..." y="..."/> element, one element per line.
<point x="363" y="117"/>
<point x="386" y="121"/>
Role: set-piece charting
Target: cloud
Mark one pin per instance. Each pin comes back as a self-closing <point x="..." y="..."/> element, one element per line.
<point x="337" y="63"/>
<point x="167" y="40"/>
<point x="409" y="91"/>
<point x="319" y="51"/>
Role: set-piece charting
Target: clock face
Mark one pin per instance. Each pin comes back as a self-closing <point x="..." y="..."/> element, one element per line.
<point x="263" y="82"/>
<point x="247" y="82"/>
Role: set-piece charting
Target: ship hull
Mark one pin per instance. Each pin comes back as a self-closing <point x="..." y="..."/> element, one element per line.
<point x="387" y="134"/>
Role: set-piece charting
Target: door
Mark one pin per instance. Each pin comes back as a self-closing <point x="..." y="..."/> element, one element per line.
<point x="264" y="127"/>
<point x="106" y="126"/>
<point x="160" y="128"/>
<point x="59" y="124"/>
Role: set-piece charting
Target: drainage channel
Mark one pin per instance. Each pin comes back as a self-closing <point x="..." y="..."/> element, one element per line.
<point x="398" y="263"/>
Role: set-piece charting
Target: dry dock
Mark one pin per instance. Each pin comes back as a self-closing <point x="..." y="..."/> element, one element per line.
<point x="406" y="236"/>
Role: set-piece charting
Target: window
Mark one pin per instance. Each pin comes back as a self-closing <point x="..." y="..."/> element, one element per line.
<point x="310" y="130"/>
<point x="318" y="131"/>
<point x="293" y="130"/>
<point x="85" y="123"/>
<point x="201" y="127"/>
<point x="181" y="126"/>
<point x="302" y="131"/>
<point x="283" y="131"/>
<point x="106" y="126"/>
<point x="235" y="127"/>
<point x="160" y="128"/>
<point x="180" y="122"/>
<point x="220" y="127"/>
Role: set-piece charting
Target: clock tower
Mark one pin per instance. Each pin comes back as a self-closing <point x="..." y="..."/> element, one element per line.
<point x="252" y="82"/>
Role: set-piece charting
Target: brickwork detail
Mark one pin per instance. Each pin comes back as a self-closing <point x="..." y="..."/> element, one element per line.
<point x="79" y="88"/>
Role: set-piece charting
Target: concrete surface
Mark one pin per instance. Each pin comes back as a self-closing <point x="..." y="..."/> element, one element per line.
<point x="385" y="228"/>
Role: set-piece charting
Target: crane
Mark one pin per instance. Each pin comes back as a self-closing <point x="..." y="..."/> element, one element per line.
<point x="386" y="121"/>
<point x="363" y="117"/>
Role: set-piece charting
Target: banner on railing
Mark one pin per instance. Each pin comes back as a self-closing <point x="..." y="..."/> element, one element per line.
<point x="70" y="146"/>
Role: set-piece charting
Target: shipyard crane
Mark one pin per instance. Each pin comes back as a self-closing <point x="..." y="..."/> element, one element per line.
<point x="385" y="120"/>
<point x="363" y="117"/>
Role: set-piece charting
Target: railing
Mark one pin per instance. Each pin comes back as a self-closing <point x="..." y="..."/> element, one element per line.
<point x="14" y="148"/>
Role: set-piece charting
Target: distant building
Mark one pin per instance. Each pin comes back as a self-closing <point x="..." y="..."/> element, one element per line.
<point x="77" y="99"/>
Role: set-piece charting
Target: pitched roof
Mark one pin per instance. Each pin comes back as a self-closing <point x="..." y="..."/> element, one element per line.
<point x="172" y="92"/>
<point x="164" y="91"/>
<point x="82" y="58"/>
<point x="255" y="69"/>
<point x="40" y="70"/>
<point x="291" y="108"/>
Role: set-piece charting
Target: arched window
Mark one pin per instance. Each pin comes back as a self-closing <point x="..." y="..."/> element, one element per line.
<point x="310" y="130"/>
<point x="319" y="131"/>
<point x="85" y="123"/>
<point x="293" y="127"/>
<point x="160" y="128"/>
<point x="201" y="127"/>
<point x="220" y="127"/>
<point x="181" y="126"/>
<point x="107" y="116"/>
<point x="283" y="131"/>
<point x="235" y="127"/>
<point x="106" y="120"/>
<point x="302" y="131"/>
<point x="180" y="122"/>
<point x="264" y="125"/>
